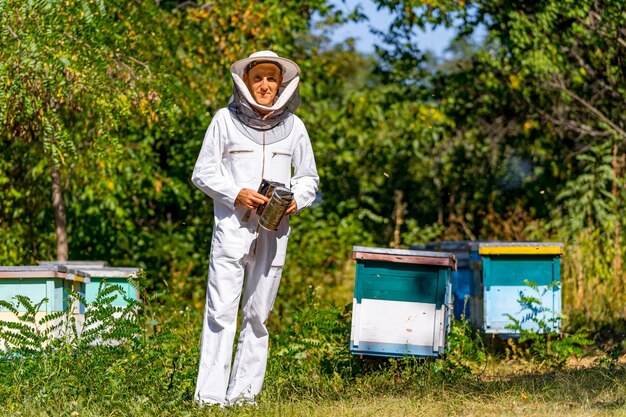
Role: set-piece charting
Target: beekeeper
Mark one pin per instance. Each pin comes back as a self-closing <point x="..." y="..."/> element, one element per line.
<point x="256" y="137"/>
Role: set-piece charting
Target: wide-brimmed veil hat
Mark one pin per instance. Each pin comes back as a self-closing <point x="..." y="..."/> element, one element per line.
<point x="244" y="106"/>
<point x="290" y="69"/>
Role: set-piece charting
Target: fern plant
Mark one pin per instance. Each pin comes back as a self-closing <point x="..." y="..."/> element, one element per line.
<point x="106" y="323"/>
<point x="102" y="322"/>
<point x="595" y="198"/>
<point x="29" y="332"/>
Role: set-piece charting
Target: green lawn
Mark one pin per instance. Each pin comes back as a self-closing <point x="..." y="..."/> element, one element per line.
<point x="411" y="389"/>
<point x="554" y="401"/>
<point x="311" y="373"/>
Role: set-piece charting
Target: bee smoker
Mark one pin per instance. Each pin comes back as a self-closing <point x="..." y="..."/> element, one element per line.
<point x="271" y="213"/>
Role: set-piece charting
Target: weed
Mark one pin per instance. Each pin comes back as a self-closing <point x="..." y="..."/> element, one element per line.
<point x="29" y="333"/>
<point x="539" y="341"/>
<point x="466" y="350"/>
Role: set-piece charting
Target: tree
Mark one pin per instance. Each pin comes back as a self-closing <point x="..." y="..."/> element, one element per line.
<point x="68" y="81"/>
<point x="539" y="105"/>
<point x="128" y="113"/>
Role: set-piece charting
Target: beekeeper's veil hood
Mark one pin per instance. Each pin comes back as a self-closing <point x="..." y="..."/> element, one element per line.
<point x="287" y="99"/>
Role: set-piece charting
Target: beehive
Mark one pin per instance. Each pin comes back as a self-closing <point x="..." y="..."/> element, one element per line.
<point x="462" y="276"/>
<point x="501" y="280"/>
<point x="102" y="274"/>
<point x="112" y="276"/>
<point x="401" y="302"/>
<point x="50" y="282"/>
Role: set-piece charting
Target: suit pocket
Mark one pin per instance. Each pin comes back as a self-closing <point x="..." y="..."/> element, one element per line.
<point x="242" y="165"/>
<point x="280" y="165"/>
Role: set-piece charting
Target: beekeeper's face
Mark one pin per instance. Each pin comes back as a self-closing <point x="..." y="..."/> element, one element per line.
<point x="263" y="81"/>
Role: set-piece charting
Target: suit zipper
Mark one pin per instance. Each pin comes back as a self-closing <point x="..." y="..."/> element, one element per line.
<point x="263" y="163"/>
<point x="262" y="175"/>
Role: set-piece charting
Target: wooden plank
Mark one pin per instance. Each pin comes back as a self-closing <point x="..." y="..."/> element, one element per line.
<point x="401" y="252"/>
<point x="77" y="276"/>
<point x="521" y="250"/>
<point x="74" y="264"/>
<point x="109" y="272"/>
<point x="31" y="274"/>
<point x="422" y="260"/>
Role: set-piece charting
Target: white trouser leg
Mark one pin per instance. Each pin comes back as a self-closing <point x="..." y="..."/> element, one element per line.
<point x="260" y="291"/>
<point x="225" y="280"/>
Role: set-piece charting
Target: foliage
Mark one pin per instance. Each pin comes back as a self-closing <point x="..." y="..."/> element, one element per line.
<point x="466" y="350"/>
<point x="126" y="164"/>
<point x="36" y="332"/>
<point x="532" y="139"/>
<point x="593" y="281"/>
<point x="516" y="136"/>
<point x="310" y="372"/>
<point x="318" y="340"/>
<point x="611" y="354"/>
<point x="512" y="138"/>
<point x="539" y="339"/>
<point x="30" y="333"/>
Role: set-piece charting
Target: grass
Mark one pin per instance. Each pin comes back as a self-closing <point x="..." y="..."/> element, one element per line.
<point x="573" y="392"/>
<point x="311" y="373"/>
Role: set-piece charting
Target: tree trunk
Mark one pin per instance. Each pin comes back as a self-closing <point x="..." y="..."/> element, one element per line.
<point x="60" y="220"/>
<point x="617" y="231"/>
<point x="398" y="216"/>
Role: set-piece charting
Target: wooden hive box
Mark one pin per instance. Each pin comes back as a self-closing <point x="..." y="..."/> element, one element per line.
<point x="112" y="276"/>
<point x="500" y="282"/>
<point x="51" y="282"/>
<point x="401" y="302"/>
<point x="102" y="274"/>
<point x="461" y="277"/>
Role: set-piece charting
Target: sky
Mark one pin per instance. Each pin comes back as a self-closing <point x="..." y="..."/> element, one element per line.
<point x="436" y="40"/>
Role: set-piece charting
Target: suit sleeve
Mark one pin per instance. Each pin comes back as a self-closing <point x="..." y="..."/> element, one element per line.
<point x="208" y="173"/>
<point x="305" y="180"/>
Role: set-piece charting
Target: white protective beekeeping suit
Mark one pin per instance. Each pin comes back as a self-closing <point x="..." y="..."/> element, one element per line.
<point x="239" y="150"/>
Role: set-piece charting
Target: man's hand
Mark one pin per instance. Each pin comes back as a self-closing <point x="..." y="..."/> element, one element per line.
<point x="250" y="198"/>
<point x="292" y="208"/>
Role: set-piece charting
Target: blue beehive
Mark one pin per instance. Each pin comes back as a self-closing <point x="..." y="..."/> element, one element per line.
<point x="112" y="276"/>
<point x="501" y="279"/>
<point x="41" y="281"/>
<point x="401" y="302"/>
<point x="103" y="275"/>
<point x="51" y="282"/>
<point x="462" y="277"/>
